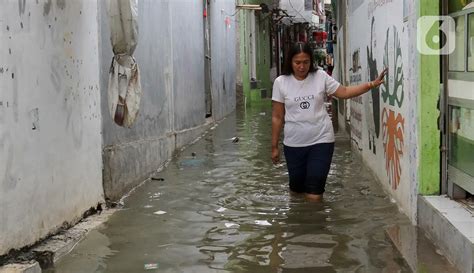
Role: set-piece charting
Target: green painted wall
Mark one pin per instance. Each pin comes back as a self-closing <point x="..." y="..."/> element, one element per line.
<point x="244" y="29"/>
<point x="457" y="5"/>
<point x="263" y="56"/>
<point x="429" y="81"/>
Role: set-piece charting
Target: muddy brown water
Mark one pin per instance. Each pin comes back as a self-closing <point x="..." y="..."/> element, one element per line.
<point x="223" y="207"/>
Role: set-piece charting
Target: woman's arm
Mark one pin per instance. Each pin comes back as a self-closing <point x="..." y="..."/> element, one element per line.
<point x="278" y="114"/>
<point x="347" y="92"/>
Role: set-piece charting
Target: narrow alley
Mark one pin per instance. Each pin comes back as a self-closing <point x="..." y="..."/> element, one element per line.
<point x="221" y="206"/>
<point x="145" y="136"/>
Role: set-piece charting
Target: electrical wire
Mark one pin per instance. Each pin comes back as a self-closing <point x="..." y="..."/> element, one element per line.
<point x="232" y="15"/>
<point x="237" y="20"/>
<point x="291" y="4"/>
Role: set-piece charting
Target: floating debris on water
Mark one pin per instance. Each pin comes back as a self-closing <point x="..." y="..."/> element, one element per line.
<point x="262" y="223"/>
<point x="150" y="266"/>
<point x="159" y="212"/>
<point x="221" y="209"/>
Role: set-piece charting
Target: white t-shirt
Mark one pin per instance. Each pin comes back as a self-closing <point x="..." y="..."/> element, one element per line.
<point x="306" y="120"/>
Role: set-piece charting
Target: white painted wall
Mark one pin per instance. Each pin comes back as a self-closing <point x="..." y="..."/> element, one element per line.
<point x="391" y="150"/>
<point x="50" y="121"/>
<point x="170" y="54"/>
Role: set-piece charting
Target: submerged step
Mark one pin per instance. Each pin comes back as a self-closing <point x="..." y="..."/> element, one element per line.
<point x="418" y="251"/>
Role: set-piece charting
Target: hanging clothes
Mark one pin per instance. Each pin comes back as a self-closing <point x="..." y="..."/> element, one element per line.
<point x="124" y="88"/>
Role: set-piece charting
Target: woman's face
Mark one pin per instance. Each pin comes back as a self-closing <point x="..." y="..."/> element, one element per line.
<point x="300" y="64"/>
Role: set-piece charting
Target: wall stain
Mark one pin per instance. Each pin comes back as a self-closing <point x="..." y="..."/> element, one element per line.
<point x="61" y="4"/>
<point x="77" y="132"/>
<point x="9" y="181"/>
<point x="223" y="83"/>
<point x="70" y="105"/>
<point x="55" y="75"/>
<point x="74" y="124"/>
<point x="15" y="97"/>
<point x="34" y="116"/>
<point x="21" y="6"/>
<point x="47" y="8"/>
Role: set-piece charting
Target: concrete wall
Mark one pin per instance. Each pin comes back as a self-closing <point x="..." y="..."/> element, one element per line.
<point x="384" y="124"/>
<point x="262" y="51"/>
<point x="264" y="54"/>
<point x="341" y="70"/>
<point x="243" y="29"/>
<point x="50" y="120"/>
<point x="170" y="54"/>
<point x="223" y="47"/>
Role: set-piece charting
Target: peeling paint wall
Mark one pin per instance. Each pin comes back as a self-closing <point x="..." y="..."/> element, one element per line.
<point x="50" y="120"/>
<point x="170" y="54"/>
<point x="384" y="121"/>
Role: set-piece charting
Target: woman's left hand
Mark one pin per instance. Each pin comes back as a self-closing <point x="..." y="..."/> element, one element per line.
<point x="380" y="79"/>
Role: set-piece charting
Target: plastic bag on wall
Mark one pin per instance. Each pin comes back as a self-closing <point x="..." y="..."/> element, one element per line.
<point x="123" y="25"/>
<point x="124" y="90"/>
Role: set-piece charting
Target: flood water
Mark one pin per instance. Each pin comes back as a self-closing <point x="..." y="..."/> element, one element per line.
<point x="223" y="207"/>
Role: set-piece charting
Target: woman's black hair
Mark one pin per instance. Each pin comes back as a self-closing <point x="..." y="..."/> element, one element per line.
<point x="298" y="47"/>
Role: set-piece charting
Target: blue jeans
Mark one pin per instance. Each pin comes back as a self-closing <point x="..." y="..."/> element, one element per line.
<point x="308" y="167"/>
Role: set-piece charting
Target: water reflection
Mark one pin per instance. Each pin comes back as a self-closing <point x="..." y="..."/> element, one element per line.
<point x="225" y="208"/>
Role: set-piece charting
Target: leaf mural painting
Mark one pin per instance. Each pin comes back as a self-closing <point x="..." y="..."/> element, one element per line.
<point x="373" y="126"/>
<point x="392" y="132"/>
<point x="392" y="92"/>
